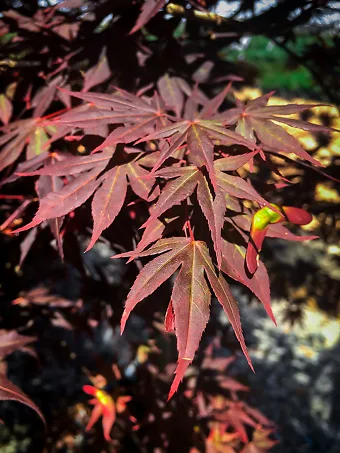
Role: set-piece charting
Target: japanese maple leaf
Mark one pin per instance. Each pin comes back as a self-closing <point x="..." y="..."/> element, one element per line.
<point x="104" y="407"/>
<point x="109" y="189"/>
<point x="237" y="415"/>
<point x="30" y="134"/>
<point x="260" y="224"/>
<point x="212" y="205"/>
<point x="220" y="441"/>
<point x="256" y="117"/>
<point x="199" y="135"/>
<point x="77" y="191"/>
<point x="190" y="299"/>
<point x="138" y="115"/>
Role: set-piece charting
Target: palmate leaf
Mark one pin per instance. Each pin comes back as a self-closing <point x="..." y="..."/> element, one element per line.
<point x="212" y="205"/>
<point x="70" y="197"/>
<point x="139" y="115"/>
<point x="257" y="117"/>
<point x="190" y="299"/>
<point x="109" y="190"/>
<point x="199" y="135"/>
<point x="30" y="132"/>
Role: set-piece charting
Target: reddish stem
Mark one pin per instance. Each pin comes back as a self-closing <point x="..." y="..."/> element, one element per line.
<point x="190" y="231"/>
<point x="12" y="197"/>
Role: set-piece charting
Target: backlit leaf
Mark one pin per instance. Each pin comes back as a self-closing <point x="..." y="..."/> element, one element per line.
<point x="190" y="298"/>
<point x="57" y="204"/>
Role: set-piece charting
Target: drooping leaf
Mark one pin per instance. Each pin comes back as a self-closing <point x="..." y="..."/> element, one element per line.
<point x="108" y="201"/>
<point x="225" y="298"/>
<point x="191" y="306"/>
<point x="44" y="97"/>
<point x="190" y="297"/>
<point x="10" y="392"/>
<point x="261" y="442"/>
<point x="26" y="244"/>
<point x="38" y="142"/>
<point x="16" y="141"/>
<point x="233" y="264"/>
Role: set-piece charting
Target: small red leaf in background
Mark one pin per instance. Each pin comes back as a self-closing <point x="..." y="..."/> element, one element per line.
<point x="104" y="407"/>
<point x="149" y="9"/>
<point x="11" y="341"/>
<point x="261" y="442"/>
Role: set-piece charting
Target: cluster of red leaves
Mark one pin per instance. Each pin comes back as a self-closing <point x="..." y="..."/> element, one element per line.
<point x="190" y="142"/>
<point x="179" y="163"/>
